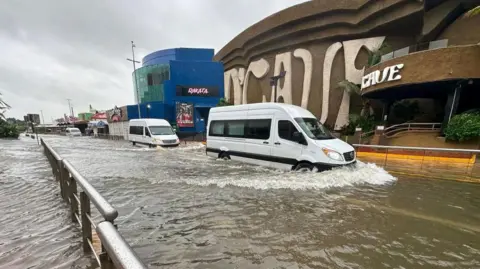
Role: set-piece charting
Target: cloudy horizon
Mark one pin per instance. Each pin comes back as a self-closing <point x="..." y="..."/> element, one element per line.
<point x="57" y="50"/>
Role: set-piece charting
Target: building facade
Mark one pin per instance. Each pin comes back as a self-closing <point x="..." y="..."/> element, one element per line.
<point x="179" y="85"/>
<point x="396" y="48"/>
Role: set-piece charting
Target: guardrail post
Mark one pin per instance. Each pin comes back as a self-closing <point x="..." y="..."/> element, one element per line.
<point x="86" y="225"/>
<point x="64" y="175"/>
<point x="105" y="261"/>
<point x="73" y="202"/>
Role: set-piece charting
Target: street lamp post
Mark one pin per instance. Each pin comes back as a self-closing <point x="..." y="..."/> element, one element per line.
<point x="274" y="81"/>
<point x="135" y="75"/>
<point x="148" y="110"/>
<point x="43" y="120"/>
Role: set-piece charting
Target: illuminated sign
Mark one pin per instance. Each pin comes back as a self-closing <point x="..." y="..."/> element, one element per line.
<point x="197" y="91"/>
<point x="390" y="73"/>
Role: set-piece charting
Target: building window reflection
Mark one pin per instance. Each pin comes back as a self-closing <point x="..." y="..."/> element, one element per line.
<point x="151" y="81"/>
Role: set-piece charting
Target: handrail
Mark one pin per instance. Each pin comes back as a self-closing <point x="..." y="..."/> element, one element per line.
<point x="121" y="253"/>
<point x="117" y="250"/>
<point x="418" y="148"/>
<point x="103" y="206"/>
<point x="410" y="124"/>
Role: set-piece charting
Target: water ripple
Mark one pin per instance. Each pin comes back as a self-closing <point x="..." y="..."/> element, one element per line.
<point x="180" y="209"/>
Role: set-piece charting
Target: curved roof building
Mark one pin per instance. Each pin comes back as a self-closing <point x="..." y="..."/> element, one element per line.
<point x="427" y="48"/>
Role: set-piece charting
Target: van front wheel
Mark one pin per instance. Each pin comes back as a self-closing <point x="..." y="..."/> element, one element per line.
<point x="304" y="167"/>
<point x="224" y="156"/>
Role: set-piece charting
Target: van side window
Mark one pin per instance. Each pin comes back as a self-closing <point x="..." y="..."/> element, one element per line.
<point x="147" y="133"/>
<point x="217" y="128"/>
<point x="236" y="128"/>
<point x="136" y="130"/>
<point x="286" y="129"/>
<point x="258" y="129"/>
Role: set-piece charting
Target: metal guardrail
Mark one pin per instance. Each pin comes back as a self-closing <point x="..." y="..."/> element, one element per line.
<point x="446" y="163"/>
<point x="475" y="151"/>
<point x="115" y="253"/>
<point x="411" y="126"/>
<point x="437" y="44"/>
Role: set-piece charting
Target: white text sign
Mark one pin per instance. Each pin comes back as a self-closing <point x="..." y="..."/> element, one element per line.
<point x="390" y="73"/>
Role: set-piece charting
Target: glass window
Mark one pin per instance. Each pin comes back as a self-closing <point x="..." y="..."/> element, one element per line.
<point x="258" y="129"/>
<point x="150" y="79"/>
<point x="147" y="133"/>
<point x="314" y="129"/>
<point x="161" y="130"/>
<point x="217" y="128"/>
<point x="236" y="128"/>
<point x="286" y="129"/>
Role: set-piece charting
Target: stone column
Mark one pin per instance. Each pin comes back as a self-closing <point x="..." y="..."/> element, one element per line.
<point x="378" y="137"/>
<point x="357" y="136"/>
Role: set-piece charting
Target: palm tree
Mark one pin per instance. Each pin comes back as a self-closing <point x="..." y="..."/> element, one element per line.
<point x="350" y="89"/>
<point x="375" y="56"/>
<point x="3" y="107"/>
<point x="473" y="12"/>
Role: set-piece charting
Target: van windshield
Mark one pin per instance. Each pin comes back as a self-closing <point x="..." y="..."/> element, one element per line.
<point x="161" y="130"/>
<point x="314" y="129"/>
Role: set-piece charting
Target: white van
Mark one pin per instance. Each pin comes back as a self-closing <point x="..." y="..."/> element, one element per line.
<point x="152" y="132"/>
<point x="276" y="135"/>
<point x="73" y="132"/>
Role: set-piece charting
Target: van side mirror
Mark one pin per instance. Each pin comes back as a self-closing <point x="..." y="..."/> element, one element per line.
<point x="299" y="138"/>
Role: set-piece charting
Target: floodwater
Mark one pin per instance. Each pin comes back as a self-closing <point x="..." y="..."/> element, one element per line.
<point x="180" y="209"/>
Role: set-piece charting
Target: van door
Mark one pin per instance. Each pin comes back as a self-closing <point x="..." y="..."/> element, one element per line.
<point x="258" y="138"/>
<point x="284" y="148"/>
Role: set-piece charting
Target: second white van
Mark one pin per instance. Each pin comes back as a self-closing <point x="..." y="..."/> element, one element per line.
<point x="72" y="132"/>
<point x="152" y="132"/>
<point x="276" y="135"/>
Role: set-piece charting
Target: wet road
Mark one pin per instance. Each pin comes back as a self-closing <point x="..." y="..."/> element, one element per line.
<point x="179" y="209"/>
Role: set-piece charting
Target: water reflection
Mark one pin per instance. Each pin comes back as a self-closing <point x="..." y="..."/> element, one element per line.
<point x="180" y="209"/>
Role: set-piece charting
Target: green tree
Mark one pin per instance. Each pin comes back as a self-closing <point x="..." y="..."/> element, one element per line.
<point x="8" y="130"/>
<point x="375" y="56"/>
<point x="224" y="102"/>
<point x="353" y="89"/>
<point x="465" y="126"/>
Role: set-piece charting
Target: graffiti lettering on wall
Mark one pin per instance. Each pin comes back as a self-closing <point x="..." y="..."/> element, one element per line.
<point x="237" y="78"/>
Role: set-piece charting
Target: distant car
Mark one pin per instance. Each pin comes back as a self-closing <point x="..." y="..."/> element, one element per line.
<point x="152" y="132"/>
<point x="73" y="132"/>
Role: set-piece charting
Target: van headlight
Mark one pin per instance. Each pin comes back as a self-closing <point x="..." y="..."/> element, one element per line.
<point x="332" y="154"/>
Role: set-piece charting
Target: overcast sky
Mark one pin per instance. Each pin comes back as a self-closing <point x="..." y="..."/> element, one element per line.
<point x="56" y="49"/>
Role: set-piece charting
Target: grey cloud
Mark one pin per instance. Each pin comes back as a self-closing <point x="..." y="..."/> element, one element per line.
<point x="56" y="49"/>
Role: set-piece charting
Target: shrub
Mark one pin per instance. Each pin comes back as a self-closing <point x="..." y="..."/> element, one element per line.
<point x="465" y="126"/>
<point x="366" y="123"/>
<point x="405" y="110"/>
<point x="224" y="102"/>
<point x="8" y="130"/>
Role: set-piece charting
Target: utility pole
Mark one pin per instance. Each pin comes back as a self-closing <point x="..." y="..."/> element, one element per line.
<point x="274" y="81"/>
<point x="70" y="109"/>
<point x="135" y="75"/>
<point x="43" y="120"/>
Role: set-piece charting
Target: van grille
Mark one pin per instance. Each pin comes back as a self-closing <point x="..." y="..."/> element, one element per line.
<point x="349" y="156"/>
<point x="171" y="141"/>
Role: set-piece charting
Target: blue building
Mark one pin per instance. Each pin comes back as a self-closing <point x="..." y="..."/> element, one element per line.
<point x="179" y="85"/>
